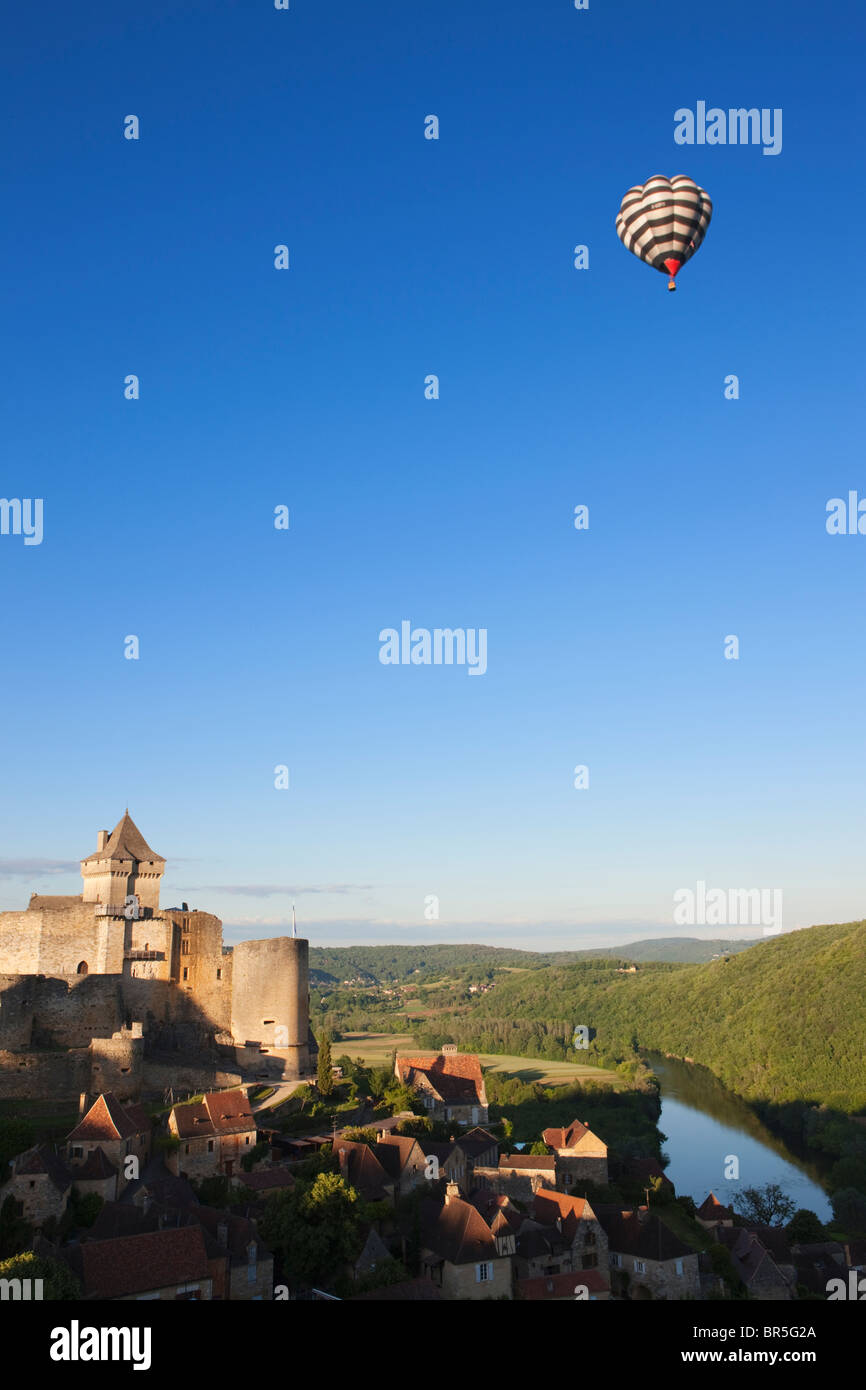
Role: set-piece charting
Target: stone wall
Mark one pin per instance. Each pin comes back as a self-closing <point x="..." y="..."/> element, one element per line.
<point x="270" y="1000"/>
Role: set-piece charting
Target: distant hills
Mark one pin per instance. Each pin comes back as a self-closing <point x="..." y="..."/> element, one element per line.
<point x="784" y="1020"/>
<point x="390" y="964"/>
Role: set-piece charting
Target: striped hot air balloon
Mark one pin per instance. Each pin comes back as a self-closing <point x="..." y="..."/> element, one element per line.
<point x="664" y="222"/>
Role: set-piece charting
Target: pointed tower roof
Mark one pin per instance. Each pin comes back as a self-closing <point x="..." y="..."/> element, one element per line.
<point x="126" y="842"/>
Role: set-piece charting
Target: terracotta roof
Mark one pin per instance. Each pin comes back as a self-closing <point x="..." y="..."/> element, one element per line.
<point x="107" y="1120"/>
<point x="711" y="1209"/>
<point x="363" y="1170"/>
<point x="126" y="842"/>
<point x="455" y="1076"/>
<point x="566" y="1138"/>
<point x="562" y="1285"/>
<point x="395" y="1151"/>
<point x="548" y="1207"/>
<point x="266" y="1179"/>
<point x="143" y="1263"/>
<point x="645" y="1236"/>
<point x="475" y="1142"/>
<point x="534" y="1162"/>
<point x="456" y="1231"/>
<point x="221" y="1112"/>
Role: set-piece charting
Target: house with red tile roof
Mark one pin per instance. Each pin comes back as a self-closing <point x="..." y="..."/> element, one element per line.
<point x="459" y="1251"/>
<point x="403" y="1159"/>
<point x="214" y="1134"/>
<point x="561" y="1234"/>
<point x="647" y="1259"/>
<point x="109" y="1147"/>
<point x="168" y="1265"/>
<point x="580" y="1155"/>
<point x="450" y="1083"/>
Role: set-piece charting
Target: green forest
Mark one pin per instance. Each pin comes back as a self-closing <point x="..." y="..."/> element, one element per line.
<point x="397" y="964"/>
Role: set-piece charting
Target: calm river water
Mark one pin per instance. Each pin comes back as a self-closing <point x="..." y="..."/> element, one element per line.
<point x="704" y="1123"/>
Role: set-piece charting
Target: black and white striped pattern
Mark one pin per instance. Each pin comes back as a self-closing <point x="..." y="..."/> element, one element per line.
<point x="664" y="219"/>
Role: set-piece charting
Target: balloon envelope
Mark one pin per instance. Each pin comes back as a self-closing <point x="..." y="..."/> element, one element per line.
<point x="664" y="221"/>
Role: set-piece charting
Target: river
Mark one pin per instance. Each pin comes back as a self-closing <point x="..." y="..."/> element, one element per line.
<point x="705" y="1123"/>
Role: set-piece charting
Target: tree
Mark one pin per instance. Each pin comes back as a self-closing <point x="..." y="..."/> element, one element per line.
<point x="360" y="1135"/>
<point x="325" y="1077"/>
<point x="15" y="1233"/>
<point x="540" y="1148"/>
<point x="765" y="1206"/>
<point x="804" y="1228"/>
<point x="314" y="1227"/>
<point x="849" y="1211"/>
<point x="59" y="1283"/>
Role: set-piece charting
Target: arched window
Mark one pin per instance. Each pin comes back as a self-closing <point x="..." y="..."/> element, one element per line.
<point x="82" y="968"/>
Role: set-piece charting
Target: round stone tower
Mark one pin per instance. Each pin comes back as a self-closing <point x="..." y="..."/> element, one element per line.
<point x="271" y="1004"/>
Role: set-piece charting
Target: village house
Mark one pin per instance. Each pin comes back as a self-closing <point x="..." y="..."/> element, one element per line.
<point x="109" y="1147"/>
<point x="40" y="1182"/>
<point x="404" y="1161"/>
<point x="712" y="1213"/>
<point x="450" y="1084"/>
<point x="646" y="1259"/>
<point x="561" y="1234"/>
<point x="459" y="1252"/>
<point x="213" y="1133"/>
<point x="167" y="1265"/>
<point x="580" y="1155"/>
<point x="361" y="1169"/>
<point x="762" y="1260"/>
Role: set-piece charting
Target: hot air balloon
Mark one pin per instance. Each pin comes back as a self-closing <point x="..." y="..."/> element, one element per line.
<point x="664" y="222"/>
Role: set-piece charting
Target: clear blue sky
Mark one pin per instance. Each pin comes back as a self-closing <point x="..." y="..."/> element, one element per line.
<point x="306" y="387"/>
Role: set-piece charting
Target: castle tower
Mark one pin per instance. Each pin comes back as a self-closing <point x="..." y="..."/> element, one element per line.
<point x="122" y="864"/>
<point x="270" y="1002"/>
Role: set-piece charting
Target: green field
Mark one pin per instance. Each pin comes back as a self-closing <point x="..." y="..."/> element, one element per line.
<point x="375" y="1050"/>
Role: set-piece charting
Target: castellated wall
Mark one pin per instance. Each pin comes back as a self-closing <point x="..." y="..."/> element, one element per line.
<point x="44" y="1075"/>
<point x="17" y="995"/>
<point x="72" y="1011"/>
<point x="116" y="1063"/>
<point x="56" y="941"/>
<point x="270" y="1001"/>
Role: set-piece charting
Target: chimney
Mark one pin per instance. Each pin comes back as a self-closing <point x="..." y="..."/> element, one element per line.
<point x="101" y="839"/>
<point x="452" y="1192"/>
<point x="344" y="1163"/>
<point x="82" y="1104"/>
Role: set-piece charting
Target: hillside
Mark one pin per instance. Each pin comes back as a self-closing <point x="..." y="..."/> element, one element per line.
<point x="782" y="1021"/>
<point x="390" y="964"/>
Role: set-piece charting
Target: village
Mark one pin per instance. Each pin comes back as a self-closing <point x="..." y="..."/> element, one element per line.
<point x="209" y="1200"/>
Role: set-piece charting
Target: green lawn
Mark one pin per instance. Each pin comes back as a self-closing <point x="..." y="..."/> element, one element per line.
<point x="375" y="1049"/>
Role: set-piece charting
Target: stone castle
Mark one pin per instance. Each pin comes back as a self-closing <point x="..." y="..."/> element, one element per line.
<point x="108" y="991"/>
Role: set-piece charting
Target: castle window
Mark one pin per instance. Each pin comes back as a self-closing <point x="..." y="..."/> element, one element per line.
<point x="210" y="1146"/>
<point x="184" y="947"/>
<point x="186" y="972"/>
<point x="82" y="968"/>
<point x="219" y="974"/>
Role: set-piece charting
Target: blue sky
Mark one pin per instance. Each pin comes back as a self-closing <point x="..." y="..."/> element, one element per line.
<point x="305" y="387"/>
